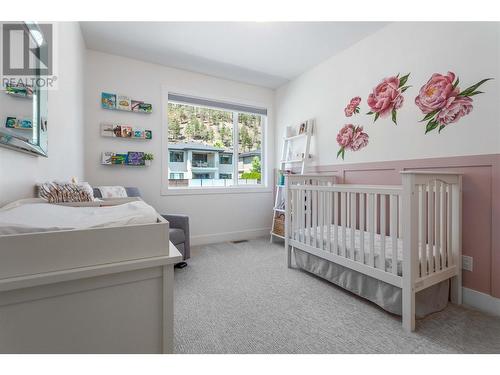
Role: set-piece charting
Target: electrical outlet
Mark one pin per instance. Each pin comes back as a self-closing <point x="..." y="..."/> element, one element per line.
<point x="467" y="263"/>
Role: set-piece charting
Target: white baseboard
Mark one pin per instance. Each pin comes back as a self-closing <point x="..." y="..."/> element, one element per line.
<point x="206" y="239"/>
<point x="481" y="301"/>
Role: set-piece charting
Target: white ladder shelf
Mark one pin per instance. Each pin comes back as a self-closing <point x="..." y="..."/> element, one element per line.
<point x="298" y="164"/>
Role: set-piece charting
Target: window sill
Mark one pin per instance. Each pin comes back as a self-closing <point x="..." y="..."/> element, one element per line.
<point x="215" y="190"/>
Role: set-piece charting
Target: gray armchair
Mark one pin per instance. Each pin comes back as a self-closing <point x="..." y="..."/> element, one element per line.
<point x="179" y="225"/>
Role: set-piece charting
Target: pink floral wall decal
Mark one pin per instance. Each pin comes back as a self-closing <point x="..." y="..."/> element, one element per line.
<point x="351" y="137"/>
<point x="353" y="107"/>
<point x="387" y="97"/>
<point x="442" y="102"/>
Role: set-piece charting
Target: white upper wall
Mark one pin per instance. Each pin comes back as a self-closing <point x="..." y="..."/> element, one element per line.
<point x="213" y="216"/>
<point x="18" y="171"/>
<point x="471" y="50"/>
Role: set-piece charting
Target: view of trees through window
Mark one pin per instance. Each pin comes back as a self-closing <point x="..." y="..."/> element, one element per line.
<point x="205" y="137"/>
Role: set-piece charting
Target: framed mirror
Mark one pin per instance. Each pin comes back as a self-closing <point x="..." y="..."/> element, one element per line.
<point x="23" y="106"/>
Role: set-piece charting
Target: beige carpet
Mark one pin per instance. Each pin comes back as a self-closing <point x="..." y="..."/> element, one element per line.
<point x="241" y="298"/>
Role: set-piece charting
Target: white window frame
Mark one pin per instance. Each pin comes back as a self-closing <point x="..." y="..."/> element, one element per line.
<point x="263" y="187"/>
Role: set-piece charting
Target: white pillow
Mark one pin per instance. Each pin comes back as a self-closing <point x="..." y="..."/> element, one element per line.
<point x="108" y="192"/>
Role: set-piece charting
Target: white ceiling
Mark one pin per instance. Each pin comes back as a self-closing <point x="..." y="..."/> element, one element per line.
<point x="261" y="53"/>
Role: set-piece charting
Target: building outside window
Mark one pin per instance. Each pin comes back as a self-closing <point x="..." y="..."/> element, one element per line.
<point x="176" y="176"/>
<point x="226" y="159"/>
<point x="176" y="156"/>
<point x="206" y="137"/>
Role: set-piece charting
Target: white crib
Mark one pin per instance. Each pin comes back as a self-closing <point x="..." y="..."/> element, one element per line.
<point x="373" y="229"/>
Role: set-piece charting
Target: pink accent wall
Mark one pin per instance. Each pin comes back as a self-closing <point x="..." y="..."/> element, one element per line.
<point x="481" y="206"/>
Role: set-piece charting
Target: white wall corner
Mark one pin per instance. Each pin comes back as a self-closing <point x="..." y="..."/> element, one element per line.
<point x="481" y="301"/>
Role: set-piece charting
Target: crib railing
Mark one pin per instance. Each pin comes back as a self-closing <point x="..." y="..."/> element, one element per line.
<point x="434" y="225"/>
<point x="407" y="235"/>
<point x="349" y="223"/>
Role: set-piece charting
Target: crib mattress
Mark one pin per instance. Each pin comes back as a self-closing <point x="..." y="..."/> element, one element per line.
<point x="377" y="249"/>
<point x="387" y="296"/>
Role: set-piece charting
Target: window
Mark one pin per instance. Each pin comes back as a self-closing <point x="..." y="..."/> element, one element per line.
<point x="200" y="160"/>
<point x="176" y="156"/>
<point x="226" y="159"/>
<point x="214" y="144"/>
<point x="177" y="176"/>
<point x="249" y="149"/>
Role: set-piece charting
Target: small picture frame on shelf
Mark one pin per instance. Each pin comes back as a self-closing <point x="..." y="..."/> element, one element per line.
<point x="303" y="128"/>
<point x="148" y="134"/>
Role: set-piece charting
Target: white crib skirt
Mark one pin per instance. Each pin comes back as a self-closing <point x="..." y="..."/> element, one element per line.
<point x="387" y="296"/>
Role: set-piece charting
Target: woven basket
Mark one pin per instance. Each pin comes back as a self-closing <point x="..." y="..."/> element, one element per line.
<point x="279" y="224"/>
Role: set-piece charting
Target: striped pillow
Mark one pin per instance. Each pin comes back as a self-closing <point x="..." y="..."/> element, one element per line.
<point x="59" y="192"/>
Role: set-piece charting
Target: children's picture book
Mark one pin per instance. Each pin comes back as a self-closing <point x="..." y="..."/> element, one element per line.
<point x="19" y="89"/>
<point x="117" y="130"/>
<point x="25" y="123"/>
<point x="123" y="103"/>
<point x="11" y="122"/>
<point x="108" y="101"/>
<point x="135" y="105"/>
<point x="106" y="158"/>
<point x="145" y="108"/>
<point x="119" y="159"/>
<point x="135" y="158"/>
<point x="138" y="133"/>
<point x="15" y="123"/>
<point x="126" y="131"/>
<point x="107" y="130"/>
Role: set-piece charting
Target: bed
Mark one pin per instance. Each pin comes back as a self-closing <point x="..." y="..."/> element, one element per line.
<point x="94" y="279"/>
<point x="397" y="246"/>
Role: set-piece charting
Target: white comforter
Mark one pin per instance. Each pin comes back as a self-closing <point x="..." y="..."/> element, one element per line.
<point x="43" y="217"/>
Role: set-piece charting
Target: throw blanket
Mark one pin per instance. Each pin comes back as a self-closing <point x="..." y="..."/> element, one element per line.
<point x="32" y="217"/>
